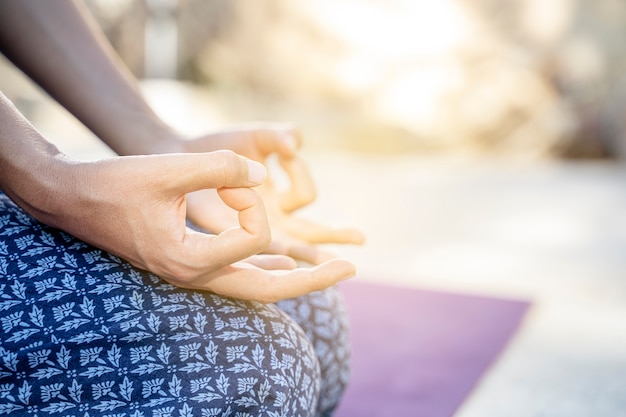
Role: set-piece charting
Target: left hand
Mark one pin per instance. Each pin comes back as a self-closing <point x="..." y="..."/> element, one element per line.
<point x="291" y="235"/>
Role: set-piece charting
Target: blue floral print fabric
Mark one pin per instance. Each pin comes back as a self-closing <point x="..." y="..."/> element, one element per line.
<point x="83" y="333"/>
<point x="323" y="317"/>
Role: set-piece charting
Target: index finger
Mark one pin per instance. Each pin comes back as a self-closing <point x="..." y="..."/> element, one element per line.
<point x="302" y="188"/>
<point x="196" y="171"/>
<point x="282" y="140"/>
<point x="207" y="253"/>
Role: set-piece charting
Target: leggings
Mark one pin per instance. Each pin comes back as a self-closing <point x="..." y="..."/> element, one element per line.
<point x="84" y="333"/>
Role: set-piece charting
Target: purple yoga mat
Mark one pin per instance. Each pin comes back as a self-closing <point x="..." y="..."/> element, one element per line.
<point x="419" y="353"/>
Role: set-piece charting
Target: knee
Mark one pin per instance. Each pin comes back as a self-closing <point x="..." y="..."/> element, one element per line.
<point x="276" y="371"/>
<point x="323" y="318"/>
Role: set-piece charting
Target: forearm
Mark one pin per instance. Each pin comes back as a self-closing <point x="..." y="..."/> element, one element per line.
<point x="31" y="168"/>
<point x="58" y="45"/>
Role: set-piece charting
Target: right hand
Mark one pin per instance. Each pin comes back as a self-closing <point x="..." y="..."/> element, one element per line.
<point x="135" y="207"/>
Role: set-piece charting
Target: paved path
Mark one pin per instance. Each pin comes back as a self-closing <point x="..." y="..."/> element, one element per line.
<point x="551" y="233"/>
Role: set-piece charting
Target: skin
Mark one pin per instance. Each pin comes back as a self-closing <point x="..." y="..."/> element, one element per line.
<point x="292" y="236"/>
<point x="136" y="205"/>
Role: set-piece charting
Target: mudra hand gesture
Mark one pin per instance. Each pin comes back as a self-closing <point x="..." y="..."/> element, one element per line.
<point x="135" y="207"/>
<point x="291" y="235"/>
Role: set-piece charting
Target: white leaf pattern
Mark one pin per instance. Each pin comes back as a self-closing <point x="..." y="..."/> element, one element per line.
<point x="82" y="333"/>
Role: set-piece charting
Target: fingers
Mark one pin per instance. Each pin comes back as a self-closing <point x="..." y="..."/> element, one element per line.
<point x="302" y="281"/>
<point x="272" y="262"/>
<point x="207" y="210"/>
<point x="258" y="142"/>
<point x="284" y="141"/>
<point x="300" y="251"/>
<point x="302" y="191"/>
<point x="245" y="281"/>
<point x="264" y="138"/>
<point x="202" y="256"/>
<point x="250" y="237"/>
<point x="250" y="208"/>
<point x="313" y="232"/>
<point x="310" y="254"/>
<point x="180" y="174"/>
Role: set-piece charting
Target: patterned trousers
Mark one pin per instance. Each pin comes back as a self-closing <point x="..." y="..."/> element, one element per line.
<point x="84" y="333"/>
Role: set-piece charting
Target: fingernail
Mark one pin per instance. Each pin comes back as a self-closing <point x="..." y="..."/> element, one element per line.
<point x="256" y="172"/>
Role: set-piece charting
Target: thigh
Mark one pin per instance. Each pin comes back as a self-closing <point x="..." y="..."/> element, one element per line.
<point x="83" y="332"/>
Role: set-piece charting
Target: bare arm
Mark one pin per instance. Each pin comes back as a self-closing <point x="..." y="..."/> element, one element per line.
<point x="30" y="167"/>
<point x="143" y="220"/>
<point x="58" y="45"/>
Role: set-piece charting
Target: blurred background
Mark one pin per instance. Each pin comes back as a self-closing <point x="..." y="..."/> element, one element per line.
<point x="479" y="145"/>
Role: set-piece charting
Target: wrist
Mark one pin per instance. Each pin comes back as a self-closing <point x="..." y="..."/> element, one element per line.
<point x="33" y="172"/>
<point x="38" y="180"/>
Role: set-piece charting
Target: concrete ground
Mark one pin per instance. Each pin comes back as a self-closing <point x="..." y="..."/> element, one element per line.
<point x="551" y="233"/>
<point x="554" y="234"/>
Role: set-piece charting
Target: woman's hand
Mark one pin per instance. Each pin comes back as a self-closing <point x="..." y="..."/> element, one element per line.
<point x="135" y="207"/>
<point x="291" y="235"/>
